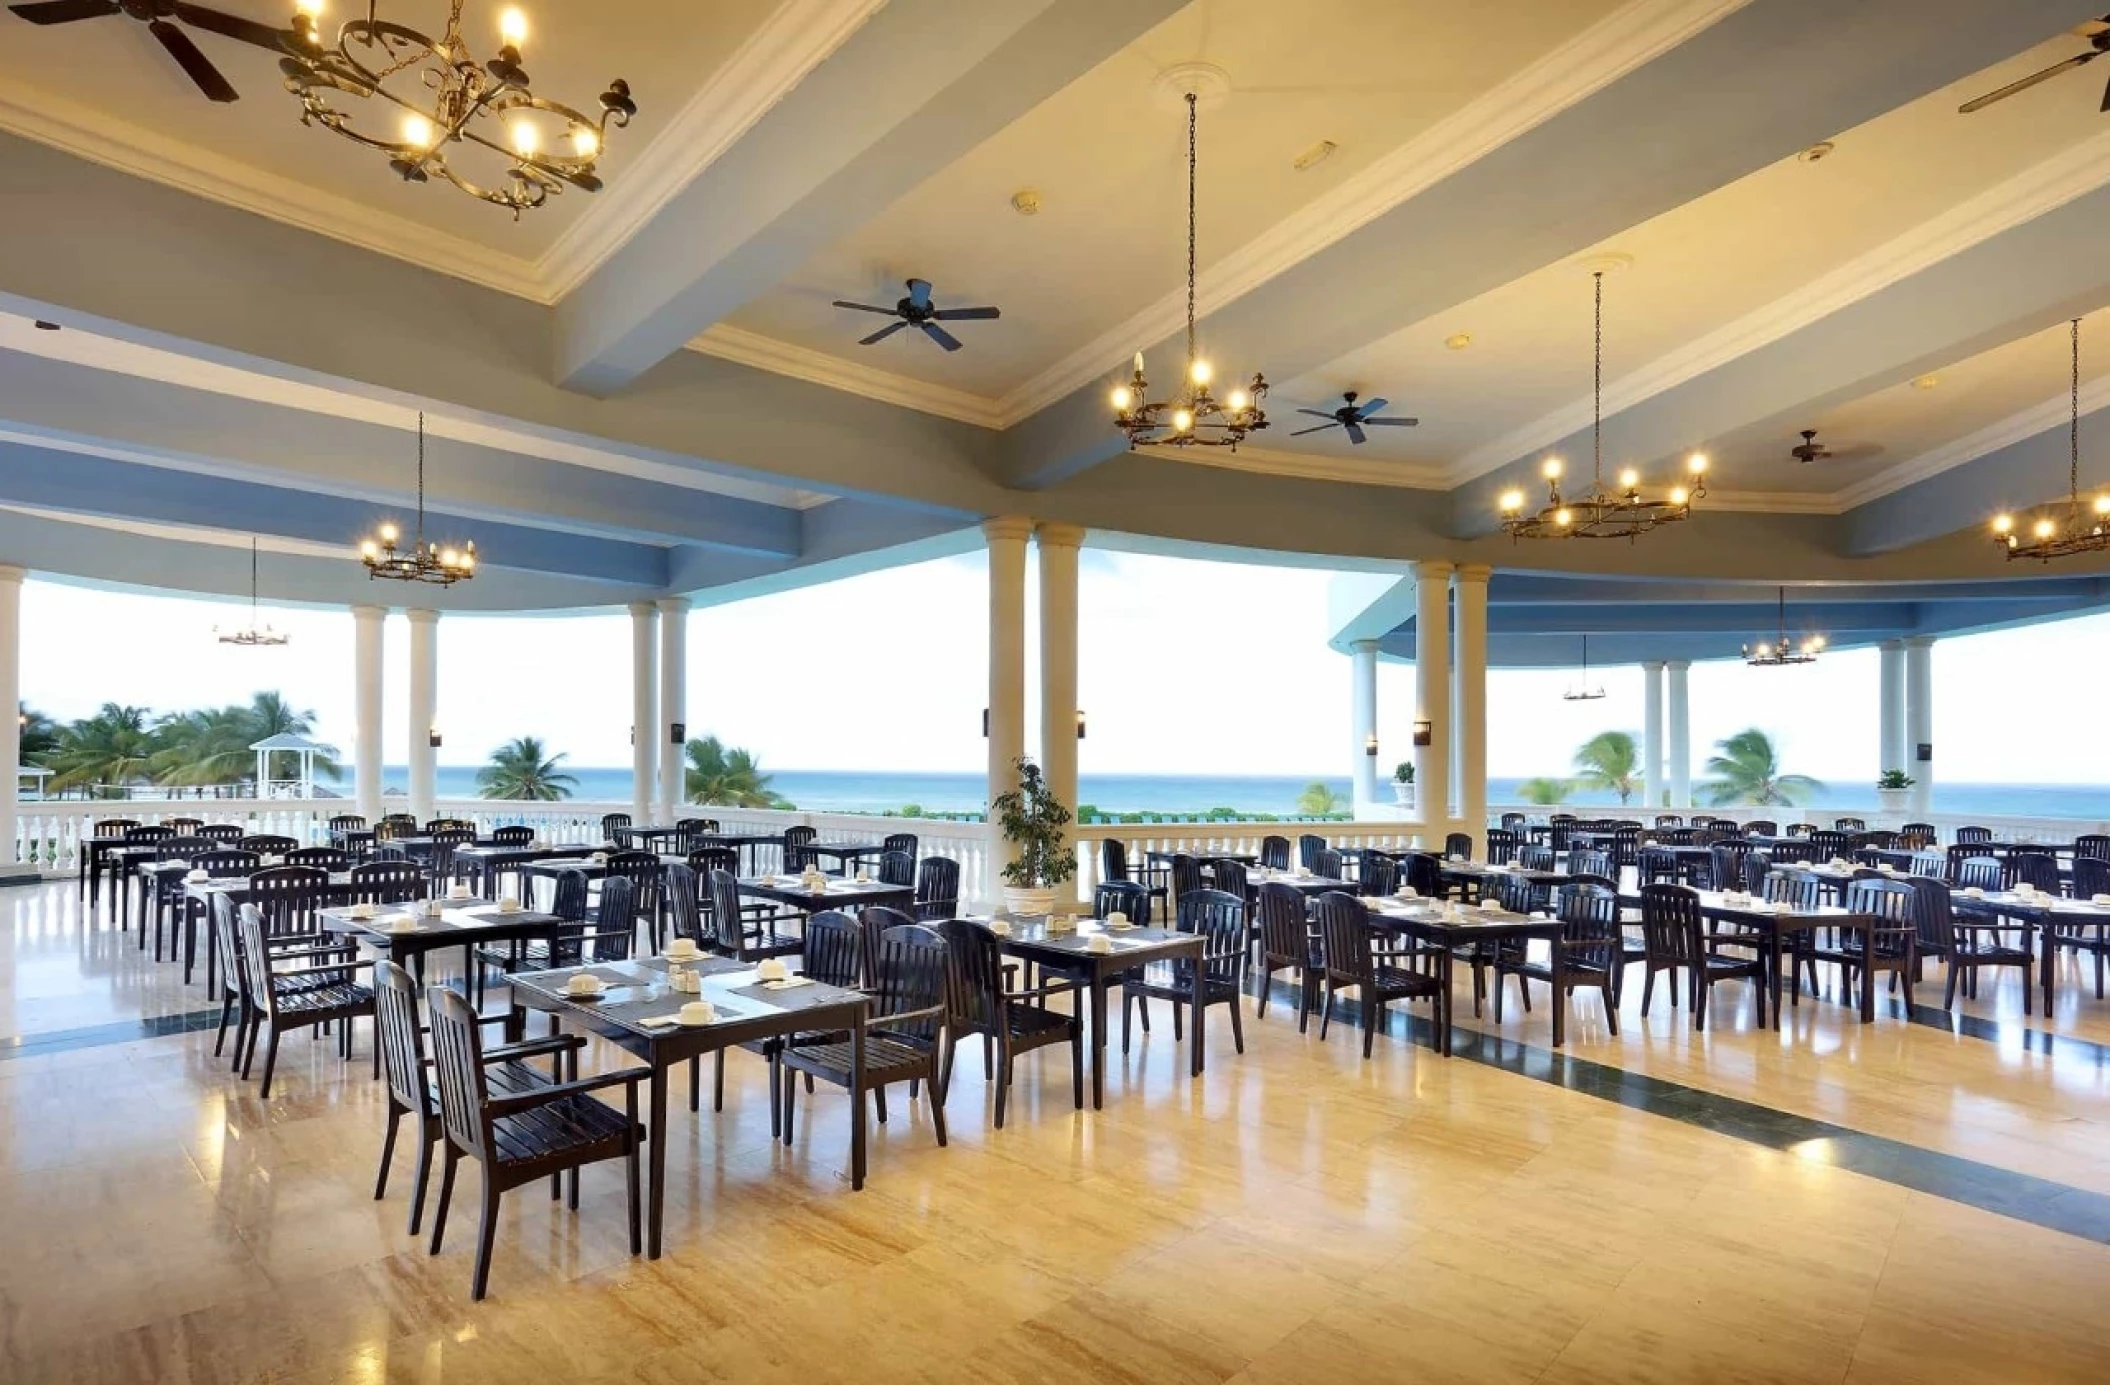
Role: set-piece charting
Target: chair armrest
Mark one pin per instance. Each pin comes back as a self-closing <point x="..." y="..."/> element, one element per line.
<point x="326" y="969"/>
<point x="901" y="1017"/>
<point x="543" y="1096"/>
<point x="1043" y="992"/>
<point x="534" y="1048"/>
<point x="280" y="954"/>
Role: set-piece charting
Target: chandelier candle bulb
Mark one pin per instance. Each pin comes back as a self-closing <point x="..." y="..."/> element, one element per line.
<point x="1630" y="478"/>
<point x="1200" y="372"/>
<point x="512" y="27"/>
<point x="1240" y="399"/>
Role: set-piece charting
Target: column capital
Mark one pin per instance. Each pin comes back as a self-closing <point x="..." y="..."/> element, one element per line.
<point x="1432" y="569"/>
<point x="423" y="617"/>
<point x="10" y="573"/>
<point x="643" y="609"/>
<point x="1678" y="665"/>
<point x="365" y="611"/>
<point x="1363" y="646"/>
<point x="1889" y="646"/>
<point x="1473" y="572"/>
<point x="1017" y="527"/>
<point x="1653" y="665"/>
<point x="674" y="605"/>
<point x="1919" y="642"/>
<point x="1050" y="533"/>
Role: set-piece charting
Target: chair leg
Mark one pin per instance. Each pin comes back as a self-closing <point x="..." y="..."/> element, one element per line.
<point x="1371" y="1011"/>
<point x="1237" y="1026"/>
<point x="937" y="1108"/>
<point x="879" y="1101"/>
<point x="718" y="1081"/>
<point x="1648" y="988"/>
<point x="270" y="1061"/>
<point x="423" y="1174"/>
<point x="696" y="1084"/>
<point x="1701" y="990"/>
<point x="486" y="1233"/>
<point x="791" y="1101"/>
<point x="1326" y="1010"/>
<point x="1128" y="1009"/>
<point x="388" y="1151"/>
<point x="439" y="1210"/>
<point x="630" y="1182"/>
<point x="1077" y="1066"/>
<point x="1003" y="1086"/>
<point x="1177" y="1023"/>
<point x="219" y="1043"/>
<point x="776" y="1097"/>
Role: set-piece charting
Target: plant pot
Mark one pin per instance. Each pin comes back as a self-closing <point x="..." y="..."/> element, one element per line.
<point x="1402" y="793"/>
<point x="1893" y="800"/>
<point x="1022" y="901"/>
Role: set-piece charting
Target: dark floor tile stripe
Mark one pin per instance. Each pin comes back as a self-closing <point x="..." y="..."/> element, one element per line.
<point x="98" y="1035"/>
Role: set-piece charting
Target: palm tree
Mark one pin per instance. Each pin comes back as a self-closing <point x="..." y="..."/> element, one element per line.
<point x="1545" y="792"/>
<point x="270" y="716"/>
<point x="1748" y="771"/>
<point x="1320" y="801"/>
<point x="211" y="746"/>
<point x="519" y="769"/>
<point x="1609" y="761"/>
<point x="113" y="747"/>
<point x="728" y="778"/>
<point x="40" y="735"/>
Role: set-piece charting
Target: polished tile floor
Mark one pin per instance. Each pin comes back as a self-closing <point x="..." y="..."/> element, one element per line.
<point x="1901" y="1202"/>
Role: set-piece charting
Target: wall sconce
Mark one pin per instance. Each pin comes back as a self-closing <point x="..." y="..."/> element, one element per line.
<point x="432" y="737"/>
<point x="1370" y="745"/>
<point x="678" y="733"/>
<point x="985" y="723"/>
<point x="1080" y="723"/>
<point x="1424" y="733"/>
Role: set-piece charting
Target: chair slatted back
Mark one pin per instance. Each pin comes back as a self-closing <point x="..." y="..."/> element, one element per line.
<point x="269" y="844"/>
<point x="877" y="921"/>
<point x="615" y="926"/>
<point x="386" y="882"/>
<point x="183" y="827"/>
<point x="1230" y="877"/>
<point x="834" y="950"/>
<point x="2091" y="845"/>
<point x="1120" y="896"/>
<point x="221" y="832"/>
<point x="1935" y="918"/>
<point x="1327" y="864"/>
<point x="255" y="954"/>
<point x="1671" y="925"/>
<point x="975" y="995"/>
<point x="457" y="1061"/>
<point x="1309" y="845"/>
<point x="1514" y="822"/>
<point x="1281" y="914"/>
<point x="684" y="904"/>
<point x="112" y="827"/>
<point x="222" y="865"/>
<point x="1726" y="860"/>
<point x="615" y="827"/>
<point x="1798" y="889"/>
<point x="569" y="899"/>
<point x="1535" y="857"/>
<point x="1520" y="896"/>
<point x="1830" y="845"/>
<point x="2028" y="867"/>
<point x="1976" y="872"/>
<point x="1918" y="834"/>
<point x="226" y="929"/>
<point x="346" y="822"/>
<point x="390" y="828"/>
<point x="643" y="870"/>
<point x="516" y="835"/>
<point x="1669" y="820"/>
<point x="1458" y="844"/>
<point x="1113" y="859"/>
<point x="1974" y="836"/>
<point x="796" y="857"/>
<point x="897" y="868"/>
<point x="906" y="843"/>
<point x="1422" y="873"/>
<point x="1346" y="940"/>
<point x="1502" y="845"/>
<point x="1219" y="918"/>
<point x="320" y="857"/>
<point x="938" y="888"/>
<point x="288" y="896"/>
<point x="146" y="836"/>
<point x="1274" y="852"/>
<point x="1929" y="863"/>
<point x="1626" y="844"/>
<point x="182" y="848"/>
<point x="910" y="974"/>
<point x="1850" y="824"/>
<point x="1895" y="904"/>
<point x="1186" y="874"/>
<point x="1379" y="875"/>
<point x="724" y="888"/>
<point x="439" y="825"/>
<point x="2091" y="876"/>
<point x="1586" y="862"/>
<point x="1589" y="916"/>
<point x="1761" y="827"/>
<point x="396" y="1029"/>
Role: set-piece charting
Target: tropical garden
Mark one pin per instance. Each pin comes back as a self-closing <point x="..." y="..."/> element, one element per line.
<point x="121" y="748"/>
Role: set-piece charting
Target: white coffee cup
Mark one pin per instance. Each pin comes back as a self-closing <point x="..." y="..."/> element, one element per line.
<point x="196" y="875"/>
<point x="433" y="908"/>
<point x="458" y="891"/>
<point x="1115" y="918"/>
<point x="864" y="877"/>
<point x="683" y="947"/>
<point x="1409" y="892"/>
<point x="1000" y="927"/>
<point x="584" y="984"/>
<point x="1099" y="943"/>
<point x="509" y="905"/>
<point x="362" y="910"/>
<point x="600" y="858"/>
<point x="772" y="969"/>
<point x="698" y="1012"/>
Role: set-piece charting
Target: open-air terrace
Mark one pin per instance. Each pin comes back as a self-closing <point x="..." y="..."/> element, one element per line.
<point x="1048" y="690"/>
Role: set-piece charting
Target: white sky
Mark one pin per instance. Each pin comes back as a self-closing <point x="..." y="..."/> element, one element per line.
<point x="1185" y="667"/>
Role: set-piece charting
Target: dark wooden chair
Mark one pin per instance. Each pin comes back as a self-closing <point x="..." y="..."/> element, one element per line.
<point x="1502" y="845"/>
<point x="1124" y="896"/>
<point x="1287" y="942"/>
<point x="301" y="997"/>
<point x="1351" y="958"/>
<point x="346" y="822"/>
<point x="1761" y="827"/>
<point x="1973" y="836"/>
<point x="1535" y="857"/>
<point x="2038" y="871"/>
<point x="515" y="835"/>
<point x="1889" y="947"/>
<point x="1675" y="939"/>
<point x="386" y="882"/>
<point x="1726" y="865"/>
<point x="876" y="922"/>
<point x="744" y="937"/>
<point x="1229" y="877"/>
<point x="1378" y="876"/>
<point x="606" y="937"/>
<point x="289" y="898"/>
<point x="907" y="844"/>
<point x="1309" y="845"/>
<point x="1113" y="865"/>
<point x="1220" y="920"/>
<point x="2091" y="846"/>
<point x="644" y="870"/>
<point x="1327" y="865"/>
<point x="1965" y="943"/>
<point x="796" y="857"/>
<point x="1975" y="872"/>
<point x="1918" y="834"/>
<point x="225" y="833"/>
<point x="1584" y="861"/>
<point x="520" y="1137"/>
<point x="438" y="825"/>
<point x="1591" y="946"/>
<point x="411" y="1091"/>
<point x="1422" y="873"/>
<point x="615" y="829"/>
<point x="183" y="827"/>
<point x="1274" y="852"/>
<point x="981" y="1001"/>
<point x="327" y="858"/>
<point x="904" y="1034"/>
<point x="1458" y="845"/>
<point x="896" y="868"/>
<point x="938" y="888"/>
<point x="1849" y="824"/>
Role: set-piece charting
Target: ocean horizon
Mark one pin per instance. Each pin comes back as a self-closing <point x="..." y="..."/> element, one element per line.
<point x="879" y="791"/>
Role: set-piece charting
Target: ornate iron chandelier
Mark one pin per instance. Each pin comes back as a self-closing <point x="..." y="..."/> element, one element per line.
<point x="1583" y="692"/>
<point x="1193" y="417"/>
<point x="1600" y="512"/>
<point x="1783" y="649"/>
<point x="255" y="634"/>
<point x="442" y="96"/>
<point x="422" y="561"/>
<point x="2082" y="531"/>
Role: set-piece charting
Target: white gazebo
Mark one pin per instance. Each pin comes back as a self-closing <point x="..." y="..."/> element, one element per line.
<point x="24" y="773"/>
<point x="289" y="743"/>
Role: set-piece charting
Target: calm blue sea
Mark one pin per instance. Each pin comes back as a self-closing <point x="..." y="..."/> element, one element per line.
<point x="831" y="791"/>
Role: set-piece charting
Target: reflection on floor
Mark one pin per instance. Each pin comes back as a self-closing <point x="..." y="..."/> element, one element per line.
<point x="1890" y="1202"/>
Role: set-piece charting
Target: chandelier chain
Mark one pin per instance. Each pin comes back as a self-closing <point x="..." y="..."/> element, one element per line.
<point x="1597" y="382"/>
<point x="421" y="480"/>
<point x="1192" y="159"/>
<point x="2073" y="424"/>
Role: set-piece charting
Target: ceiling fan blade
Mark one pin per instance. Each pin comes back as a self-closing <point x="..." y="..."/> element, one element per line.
<point x="193" y="62"/>
<point x="231" y="26"/>
<point x="919" y="292"/>
<point x="867" y="308"/>
<point x="2105" y="107"/>
<point x="65" y="11"/>
<point x="1366" y="407"/>
<point x="883" y="333"/>
<point x="1391" y="423"/>
<point x="966" y="315"/>
<point x="941" y="336"/>
<point x="2027" y="82"/>
<point x="1319" y="413"/>
<point x="1319" y="428"/>
<point x="1355" y="434"/>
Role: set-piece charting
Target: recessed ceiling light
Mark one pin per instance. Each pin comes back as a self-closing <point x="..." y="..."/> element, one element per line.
<point x="1926" y="382"/>
<point x="1458" y="341"/>
<point x="1311" y="158"/>
<point x="1026" y="202"/>
<point x="1816" y="151"/>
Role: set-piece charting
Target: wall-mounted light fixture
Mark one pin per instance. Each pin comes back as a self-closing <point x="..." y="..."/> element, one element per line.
<point x="1370" y="745"/>
<point x="985" y="723"/>
<point x="1080" y="723"/>
<point x="678" y="733"/>
<point x="1424" y="733"/>
<point x="432" y="737"/>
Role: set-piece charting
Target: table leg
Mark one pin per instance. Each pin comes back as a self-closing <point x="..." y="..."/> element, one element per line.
<point x="2038" y="938"/>
<point x="656" y="1159"/>
<point x="1774" y="980"/>
<point x="1197" y="1008"/>
<point x="1559" y="971"/>
<point x="857" y="1106"/>
<point x="1868" y="975"/>
<point x="1446" y="967"/>
<point x="1098" y="1040"/>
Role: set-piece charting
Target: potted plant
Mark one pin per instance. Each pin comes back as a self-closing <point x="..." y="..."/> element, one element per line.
<point x="1891" y="787"/>
<point x="1032" y="820"/>
<point x="1403" y="784"/>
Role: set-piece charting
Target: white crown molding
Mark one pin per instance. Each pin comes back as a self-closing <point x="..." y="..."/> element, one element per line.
<point x="1769" y="503"/>
<point x="2016" y="427"/>
<point x="89" y="134"/>
<point x="796" y="38"/>
<point x="1357" y="471"/>
<point x="1600" y="55"/>
<point x="731" y="343"/>
<point x="2041" y="188"/>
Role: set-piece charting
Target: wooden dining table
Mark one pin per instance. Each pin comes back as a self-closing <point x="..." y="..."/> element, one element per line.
<point x="836" y="893"/>
<point x="1446" y="930"/>
<point x="748" y="1009"/>
<point x="406" y="932"/>
<point x="1778" y="924"/>
<point x="2038" y="918"/>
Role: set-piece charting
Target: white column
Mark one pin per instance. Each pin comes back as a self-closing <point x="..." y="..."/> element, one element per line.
<point x="1006" y="712"/>
<point x="424" y="711"/>
<point x="673" y="703"/>
<point x="1469" y="695"/>
<point x="1058" y="544"/>
<point x="368" y="625"/>
<point x="1432" y="696"/>
<point x="1680" y="734"/>
<point x="1891" y="751"/>
<point x="11" y="695"/>
<point x="644" y="708"/>
<point x="1362" y="697"/>
<point x="1919" y="720"/>
<point x="1651" y="739"/>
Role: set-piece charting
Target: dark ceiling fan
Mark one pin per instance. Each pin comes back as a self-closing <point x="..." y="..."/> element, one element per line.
<point x="1810" y="451"/>
<point x="2096" y="31"/>
<point x="156" y="14"/>
<point x="1354" y="418"/>
<point x="916" y="311"/>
